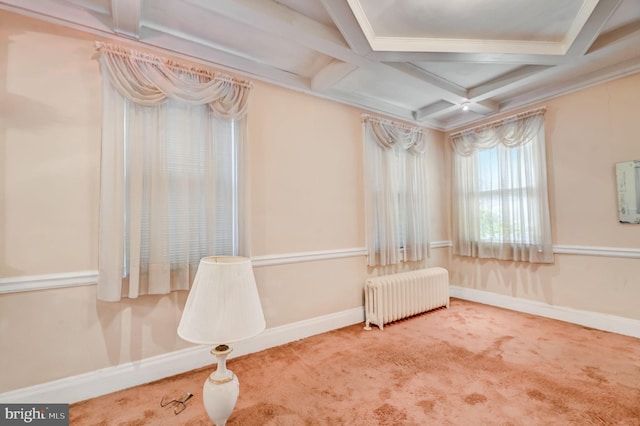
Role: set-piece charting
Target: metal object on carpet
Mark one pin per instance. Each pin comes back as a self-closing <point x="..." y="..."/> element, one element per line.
<point x="179" y="404"/>
<point x="392" y="297"/>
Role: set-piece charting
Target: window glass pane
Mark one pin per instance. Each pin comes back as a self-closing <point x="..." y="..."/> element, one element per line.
<point x="488" y="169"/>
<point x="200" y="157"/>
<point x="504" y="194"/>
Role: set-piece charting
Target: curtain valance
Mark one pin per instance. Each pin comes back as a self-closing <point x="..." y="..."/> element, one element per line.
<point x="388" y="133"/>
<point x="149" y="80"/>
<point x="512" y="131"/>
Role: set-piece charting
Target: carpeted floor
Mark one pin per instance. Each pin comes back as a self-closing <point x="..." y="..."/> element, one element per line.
<point x="471" y="364"/>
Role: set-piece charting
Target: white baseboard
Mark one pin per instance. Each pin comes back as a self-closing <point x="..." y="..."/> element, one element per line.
<point x="112" y="379"/>
<point x="605" y="322"/>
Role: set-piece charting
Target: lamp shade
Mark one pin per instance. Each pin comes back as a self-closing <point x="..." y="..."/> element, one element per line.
<point x="223" y="305"/>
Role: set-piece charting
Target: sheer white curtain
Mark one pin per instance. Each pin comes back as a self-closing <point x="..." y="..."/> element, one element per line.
<point x="395" y="192"/>
<point x="500" y="198"/>
<point x="173" y="140"/>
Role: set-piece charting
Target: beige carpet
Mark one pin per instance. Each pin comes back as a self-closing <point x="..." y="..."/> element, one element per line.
<point x="471" y="364"/>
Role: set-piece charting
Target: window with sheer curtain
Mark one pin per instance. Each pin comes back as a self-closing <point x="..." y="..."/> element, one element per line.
<point x="171" y="184"/>
<point x="395" y="192"/>
<point x="500" y="194"/>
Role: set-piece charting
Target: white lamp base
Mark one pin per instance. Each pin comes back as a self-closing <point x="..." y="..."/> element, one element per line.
<point x="221" y="389"/>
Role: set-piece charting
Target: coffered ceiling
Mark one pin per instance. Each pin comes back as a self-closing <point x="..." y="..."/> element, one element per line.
<point x="417" y="60"/>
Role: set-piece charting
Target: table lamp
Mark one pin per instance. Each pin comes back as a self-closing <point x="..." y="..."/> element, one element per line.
<point x="223" y="306"/>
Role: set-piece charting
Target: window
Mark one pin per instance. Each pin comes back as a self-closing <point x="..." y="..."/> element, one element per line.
<point x="395" y="191"/>
<point x="189" y="195"/>
<point x="171" y="172"/>
<point x="500" y="191"/>
<point x="503" y="204"/>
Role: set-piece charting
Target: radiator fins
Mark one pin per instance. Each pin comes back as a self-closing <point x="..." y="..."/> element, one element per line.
<point x="393" y="297"/>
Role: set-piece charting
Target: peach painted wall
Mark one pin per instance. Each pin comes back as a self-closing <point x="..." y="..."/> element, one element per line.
<point x="587" y="132"/>
<point x="307" y="195"/>
<point x="49" y="149"/>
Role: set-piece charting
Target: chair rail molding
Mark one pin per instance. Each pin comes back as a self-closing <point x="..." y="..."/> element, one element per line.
<point x="84" y="278"/>
<point x="632" y="253"/>
<point x="307" y="256"/>
<point x="47" y="281"/>
<point x="310" y="256"/>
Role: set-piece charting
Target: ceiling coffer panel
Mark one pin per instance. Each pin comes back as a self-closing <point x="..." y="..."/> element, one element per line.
<point x="417" y="60"/>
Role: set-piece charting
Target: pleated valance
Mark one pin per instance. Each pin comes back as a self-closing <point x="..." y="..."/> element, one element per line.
<point x="388" y="133"/>
<point x="512" y="131"/>
<point x="149" y="80"/>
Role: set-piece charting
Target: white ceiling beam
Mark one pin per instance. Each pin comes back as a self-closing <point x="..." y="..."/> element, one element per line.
<point x="505" y="82"/>
<point x="60" y="13"/>
<point x="592" y="28"/>
<point x="284" y="22"/>
<point x="622" y="39"/>
<point x="126" y="17"/>
<point x="615" y="36"/>
<point x="209" y="53"/>
<point x="444" y="88"/>
<point x="331" y="75"/>
<point x="435" y="108"/>
<point x="343" y="18"/>
<point x="482" y="58"/>
<point x="281" y="21"/>
<point x="442" y="107"/>
<point x="384" y="108"/>
<point x="421" y="44"/>
<point x="485" y="107"/>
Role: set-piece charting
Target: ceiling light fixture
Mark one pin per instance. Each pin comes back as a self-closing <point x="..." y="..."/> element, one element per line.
<point x="465" y="106"/>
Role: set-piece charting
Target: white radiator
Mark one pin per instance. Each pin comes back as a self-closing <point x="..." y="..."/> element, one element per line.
<point x="392" y="297"/>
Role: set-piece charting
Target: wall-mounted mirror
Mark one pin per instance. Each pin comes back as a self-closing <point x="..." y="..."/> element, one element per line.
<point x="628" y="181"/>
